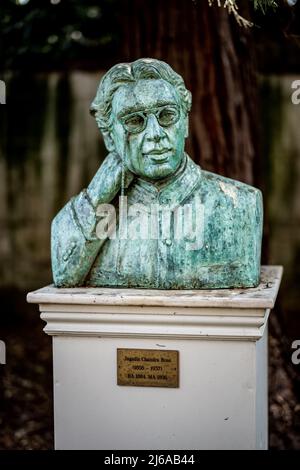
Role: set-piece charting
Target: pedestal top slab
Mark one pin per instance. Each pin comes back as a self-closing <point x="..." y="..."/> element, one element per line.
<point x="262" y="296"/>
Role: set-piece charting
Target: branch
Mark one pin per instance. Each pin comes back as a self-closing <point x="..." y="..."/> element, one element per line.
<point x="232" y="8"/>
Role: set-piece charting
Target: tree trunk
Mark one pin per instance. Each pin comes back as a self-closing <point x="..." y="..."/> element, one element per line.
<point x="207" y="48"/>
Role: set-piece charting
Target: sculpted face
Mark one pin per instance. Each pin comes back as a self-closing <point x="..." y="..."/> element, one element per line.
<point x="149" y="128"/>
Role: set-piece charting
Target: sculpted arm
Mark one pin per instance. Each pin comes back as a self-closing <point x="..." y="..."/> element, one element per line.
<point x="74" y="243"/>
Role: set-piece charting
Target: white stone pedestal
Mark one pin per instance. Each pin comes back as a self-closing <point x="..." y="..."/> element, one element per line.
<point x="221" y="337"/>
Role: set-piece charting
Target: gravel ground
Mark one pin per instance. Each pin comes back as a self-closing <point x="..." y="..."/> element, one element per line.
<point x="26" y="417"/>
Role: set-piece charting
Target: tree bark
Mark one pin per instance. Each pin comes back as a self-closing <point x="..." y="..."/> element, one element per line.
<point x="213" y="54"/>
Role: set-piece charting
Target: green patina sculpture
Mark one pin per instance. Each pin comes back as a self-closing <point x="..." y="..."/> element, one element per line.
<point x="151" y="218"/>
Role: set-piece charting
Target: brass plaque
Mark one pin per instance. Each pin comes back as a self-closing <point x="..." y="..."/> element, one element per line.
<point x="148" y="368"/>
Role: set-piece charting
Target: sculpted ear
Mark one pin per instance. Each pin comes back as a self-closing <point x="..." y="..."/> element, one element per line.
<point x="109" y="142"/>
<point x="186" y="126"/>
<point x="107" y="137"/>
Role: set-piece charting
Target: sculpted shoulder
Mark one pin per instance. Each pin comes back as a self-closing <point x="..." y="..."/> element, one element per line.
<point x="233" y="189"/>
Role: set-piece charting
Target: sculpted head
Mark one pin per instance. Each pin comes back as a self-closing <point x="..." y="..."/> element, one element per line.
<point x="142" y="111"/>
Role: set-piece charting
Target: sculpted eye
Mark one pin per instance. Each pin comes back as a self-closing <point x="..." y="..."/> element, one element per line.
<point x="168" y="116"/>
<point x="134" y="122"/>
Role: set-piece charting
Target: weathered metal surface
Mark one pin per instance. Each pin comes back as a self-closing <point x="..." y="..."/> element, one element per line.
<point x="175" y="226"/>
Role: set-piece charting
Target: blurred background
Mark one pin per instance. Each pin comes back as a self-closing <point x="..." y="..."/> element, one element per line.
<point x="244" y="125"/>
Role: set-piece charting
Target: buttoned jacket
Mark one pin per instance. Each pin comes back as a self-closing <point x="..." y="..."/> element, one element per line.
<point x="219" y="249"/>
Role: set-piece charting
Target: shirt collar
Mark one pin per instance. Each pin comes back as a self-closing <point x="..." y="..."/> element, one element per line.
<point x="172" y="191"/>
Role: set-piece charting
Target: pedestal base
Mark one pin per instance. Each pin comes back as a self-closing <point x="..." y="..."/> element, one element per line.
<point x="221" y="401"/>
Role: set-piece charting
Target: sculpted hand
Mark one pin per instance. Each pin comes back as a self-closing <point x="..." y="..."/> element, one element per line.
<point x="107" y="181"/>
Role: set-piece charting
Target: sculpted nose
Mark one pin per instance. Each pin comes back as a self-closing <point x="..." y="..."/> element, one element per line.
<point x="154" y="131"/>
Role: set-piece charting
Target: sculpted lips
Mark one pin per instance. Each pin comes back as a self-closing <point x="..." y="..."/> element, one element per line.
<point x="158" y="155"/>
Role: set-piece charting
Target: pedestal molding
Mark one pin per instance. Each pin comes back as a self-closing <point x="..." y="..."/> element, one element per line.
<point x="158" y="326"/>
<point x="262" y="296"/>
<point x="133" y="313"/>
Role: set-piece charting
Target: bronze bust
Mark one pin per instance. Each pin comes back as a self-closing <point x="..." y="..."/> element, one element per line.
<point x="151" y="217"/>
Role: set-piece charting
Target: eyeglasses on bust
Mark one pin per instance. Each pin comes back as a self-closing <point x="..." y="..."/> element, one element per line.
<point x="135" y="123"/>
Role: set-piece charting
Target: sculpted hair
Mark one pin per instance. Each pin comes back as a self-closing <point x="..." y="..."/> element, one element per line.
<point x="124" y="73"/>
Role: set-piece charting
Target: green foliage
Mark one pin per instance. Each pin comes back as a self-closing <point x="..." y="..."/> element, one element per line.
<point x="56" y="33"/>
